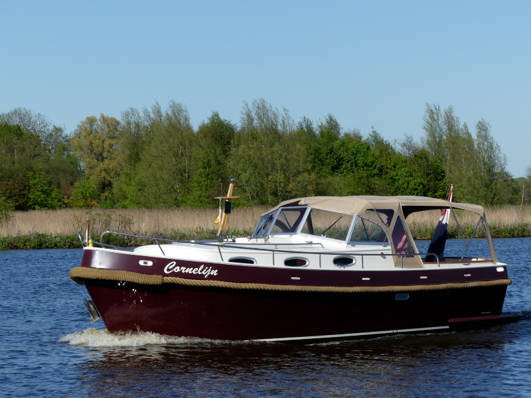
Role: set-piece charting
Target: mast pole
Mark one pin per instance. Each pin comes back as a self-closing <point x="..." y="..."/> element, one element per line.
<point x="226" y="210"/>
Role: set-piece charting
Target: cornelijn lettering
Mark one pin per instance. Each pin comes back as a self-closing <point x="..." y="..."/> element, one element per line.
<point x="202" y="270"/>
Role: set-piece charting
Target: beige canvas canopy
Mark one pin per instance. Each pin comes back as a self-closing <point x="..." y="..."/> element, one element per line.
<point x="372" y="207"/>
<point x="357" y="204"/>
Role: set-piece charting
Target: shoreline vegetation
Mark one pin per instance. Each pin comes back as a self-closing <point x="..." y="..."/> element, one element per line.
<point x="155" y="158"/>
<point x="42" y="229"/>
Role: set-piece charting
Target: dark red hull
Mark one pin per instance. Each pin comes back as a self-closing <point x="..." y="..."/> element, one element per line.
<point x="246" y="313"/>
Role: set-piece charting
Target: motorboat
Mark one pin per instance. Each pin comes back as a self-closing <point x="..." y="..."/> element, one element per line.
<point x="314" y="269"/>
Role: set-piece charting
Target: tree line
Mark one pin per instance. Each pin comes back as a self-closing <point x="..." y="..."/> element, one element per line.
<point x="154" y="158"/>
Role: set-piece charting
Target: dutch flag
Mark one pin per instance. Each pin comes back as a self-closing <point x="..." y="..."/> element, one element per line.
<point x="438" y="241"/>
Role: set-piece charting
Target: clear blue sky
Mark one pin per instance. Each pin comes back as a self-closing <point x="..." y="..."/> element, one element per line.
<point x="368" y="63"/>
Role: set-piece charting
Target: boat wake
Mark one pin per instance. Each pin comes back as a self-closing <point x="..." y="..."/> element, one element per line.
<point x="92" y="337"/>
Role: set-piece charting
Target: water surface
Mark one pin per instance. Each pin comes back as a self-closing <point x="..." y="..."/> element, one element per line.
<point x="50" y="348"/>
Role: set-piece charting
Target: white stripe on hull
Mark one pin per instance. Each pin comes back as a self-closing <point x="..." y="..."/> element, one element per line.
<point x="346" y="335"/>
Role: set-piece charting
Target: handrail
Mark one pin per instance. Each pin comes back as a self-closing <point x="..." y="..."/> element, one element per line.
<point x="273" y="244"/>
<point x="154" y="238"/>
<point x="134" y="236"/>
<point x="244" y="245"/>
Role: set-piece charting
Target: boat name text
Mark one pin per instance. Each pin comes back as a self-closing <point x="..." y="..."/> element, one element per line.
<point x="202" y="270"/>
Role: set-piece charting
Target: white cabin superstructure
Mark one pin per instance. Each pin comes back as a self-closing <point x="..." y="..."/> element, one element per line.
<point x="331" y="233"/>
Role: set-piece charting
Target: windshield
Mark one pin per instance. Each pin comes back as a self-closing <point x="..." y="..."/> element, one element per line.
<point x="284" y="220"/>
<point x="302" y="219"/>
<point x="263" y="226"/>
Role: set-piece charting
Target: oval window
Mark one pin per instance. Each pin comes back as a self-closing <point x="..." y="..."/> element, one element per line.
<point x="296" y="262"/>
<point x="242" y="260"/>
<point x="342" y="261"/>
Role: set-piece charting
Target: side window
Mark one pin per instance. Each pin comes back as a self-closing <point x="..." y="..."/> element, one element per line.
<point x="339" y="229"/>
<point x="329" y="224"/>
<point x="400" y="239"/>
<point x="367" y="231"/>
<point x="288" y="220"/>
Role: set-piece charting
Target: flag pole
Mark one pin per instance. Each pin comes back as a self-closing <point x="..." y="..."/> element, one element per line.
<point x="440" y="235"/>
<point x="226" y="210"/>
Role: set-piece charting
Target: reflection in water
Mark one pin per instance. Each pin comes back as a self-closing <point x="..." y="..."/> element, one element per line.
<point x="390" y="366"/>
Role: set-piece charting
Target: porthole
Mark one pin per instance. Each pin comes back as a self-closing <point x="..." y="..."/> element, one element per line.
<point x="242" y="260"/>
<point x="295" y="262"/>
<point x="343" y="261"/>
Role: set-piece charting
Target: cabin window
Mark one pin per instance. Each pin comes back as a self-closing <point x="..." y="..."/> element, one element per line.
<point x="264" y="224"/>
<point x="367" y="231"/>
<point x="400" y="239"/>
<point x="327" y="223"/>
<point x="296" y="262"/>
<point x="344" y="261"/>
<point x="288" y="220"/>
<point x="242" y="260"/>
<point x="284" y="220"/>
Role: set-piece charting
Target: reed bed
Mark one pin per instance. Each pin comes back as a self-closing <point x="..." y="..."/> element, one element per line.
<point x="504" y="221"/>
<point x="139" y="221"/>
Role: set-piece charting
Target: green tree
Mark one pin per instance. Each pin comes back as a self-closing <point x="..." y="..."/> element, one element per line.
<point x="210" y="157"/>
<point x="492" y="178"/>
<point x="267" y="159"/>
<point x="329" y="132"/>
<point x="134" y="132"/>
<point x="22" y="152"/>
<point x="356" y="163"/>
<point x="62" y="166"/>
<point x="30" y="121"/>
<point x="164" y="171"/>
<point x="426" y="168"/>
<point x="384" y="153"/>
<point x="84" y="195"/>
<point x="401" y="177"/>
<point x="42" y="193"/>
<point x="49" y="150"/>
<point x="474" y="166"/>
<point x="95" y="141"/>
<point x="435" y="137"/>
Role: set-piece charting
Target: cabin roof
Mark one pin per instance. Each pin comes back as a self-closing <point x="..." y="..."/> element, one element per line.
<point x="357" y="204"/>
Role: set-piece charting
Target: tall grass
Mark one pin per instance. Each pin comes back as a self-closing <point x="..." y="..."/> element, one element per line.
<point x="503" y="221"/>
<point x="139" y="221"/>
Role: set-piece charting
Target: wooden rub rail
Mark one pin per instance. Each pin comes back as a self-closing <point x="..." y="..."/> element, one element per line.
<point x="79" y="274"/>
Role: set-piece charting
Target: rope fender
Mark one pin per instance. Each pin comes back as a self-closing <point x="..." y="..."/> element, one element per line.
<point x="79" y="274"/>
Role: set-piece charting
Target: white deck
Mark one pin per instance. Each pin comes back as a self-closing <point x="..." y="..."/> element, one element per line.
<point x="319" y="253"/>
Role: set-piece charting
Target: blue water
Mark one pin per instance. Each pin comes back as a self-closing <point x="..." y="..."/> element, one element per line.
<point x="49" y="348"/>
